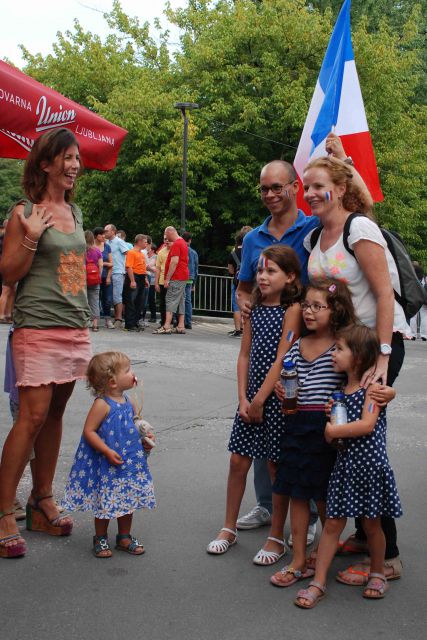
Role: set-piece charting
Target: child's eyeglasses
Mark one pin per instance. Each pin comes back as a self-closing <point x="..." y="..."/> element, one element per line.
<point x="315" y="307"/>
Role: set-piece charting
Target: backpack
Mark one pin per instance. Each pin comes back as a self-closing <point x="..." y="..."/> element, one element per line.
<point x="412" y="294"/>
<point x="236" y="272"/>
<point x="92" y="273"/>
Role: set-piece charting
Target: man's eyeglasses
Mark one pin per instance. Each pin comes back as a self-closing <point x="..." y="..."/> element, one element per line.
<point x="315" y="307"/>
<point x="275" y="188"/>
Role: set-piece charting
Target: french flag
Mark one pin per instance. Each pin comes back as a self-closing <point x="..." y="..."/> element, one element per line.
<point x="337" y="105"/>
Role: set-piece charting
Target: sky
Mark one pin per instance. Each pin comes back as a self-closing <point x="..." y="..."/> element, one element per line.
<point x="34" y="23"/>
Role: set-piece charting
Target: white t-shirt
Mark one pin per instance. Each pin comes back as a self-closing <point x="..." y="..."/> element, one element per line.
<point x="337" y="262"/>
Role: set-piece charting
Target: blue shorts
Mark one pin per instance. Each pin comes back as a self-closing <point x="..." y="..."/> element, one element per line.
<point x="234" y="306"/>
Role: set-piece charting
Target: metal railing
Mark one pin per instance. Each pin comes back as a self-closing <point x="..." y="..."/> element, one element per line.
<point x="213" y="290"/>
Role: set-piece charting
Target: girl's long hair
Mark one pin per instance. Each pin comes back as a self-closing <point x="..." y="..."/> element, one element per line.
<point x="338" y="299"/>
<point x="46" y="148"/>
<point x="354" y="198"/>
<point x="288" y="261"/>
<point x="364" y="345"/>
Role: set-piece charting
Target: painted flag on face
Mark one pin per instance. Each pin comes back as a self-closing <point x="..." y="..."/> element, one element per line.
<point x="337" y="105"/>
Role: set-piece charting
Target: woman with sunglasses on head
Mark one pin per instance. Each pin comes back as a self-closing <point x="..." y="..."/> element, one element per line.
<point x="334" y="191"/>
<point x="44" y="251"/>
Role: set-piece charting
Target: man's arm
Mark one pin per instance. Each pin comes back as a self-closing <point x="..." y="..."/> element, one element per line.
<point x="243" y="298"/>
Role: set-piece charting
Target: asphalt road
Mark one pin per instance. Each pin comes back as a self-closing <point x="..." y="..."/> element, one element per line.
<point x="176" y="590"/>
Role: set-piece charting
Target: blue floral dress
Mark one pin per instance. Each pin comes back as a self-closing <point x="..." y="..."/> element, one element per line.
<point x="362" y="482"/>
<point x="107" y="490"/>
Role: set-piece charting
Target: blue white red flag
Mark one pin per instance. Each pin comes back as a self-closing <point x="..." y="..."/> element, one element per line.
<point x="337" y="105"/>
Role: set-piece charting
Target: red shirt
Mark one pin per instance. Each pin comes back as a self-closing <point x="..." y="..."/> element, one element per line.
<point x="180" y="249"/>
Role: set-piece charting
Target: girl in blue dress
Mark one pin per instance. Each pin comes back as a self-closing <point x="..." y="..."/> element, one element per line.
<point x="258" y="426"/>
<point x="362" y="482"/>
<point x="110" y="475"/>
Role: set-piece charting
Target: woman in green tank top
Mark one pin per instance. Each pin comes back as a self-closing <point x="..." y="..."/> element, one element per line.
<point x="44" y="252"/>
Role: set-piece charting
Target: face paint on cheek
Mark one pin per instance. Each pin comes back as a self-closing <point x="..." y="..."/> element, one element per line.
<point x="135" y="381"/>
<point x="286" y="193"/>
<point x="328" y="196"/>
<point x="290" y="336"/>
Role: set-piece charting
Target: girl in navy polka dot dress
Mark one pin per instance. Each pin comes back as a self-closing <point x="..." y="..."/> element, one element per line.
<point x="258" y="426"/>
<point x="362" y="482"/>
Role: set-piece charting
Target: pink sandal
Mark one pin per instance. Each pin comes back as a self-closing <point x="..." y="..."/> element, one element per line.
<point x="278" y="580"/>
<point x="377" y="582"/>
<point x="313" y="598"/>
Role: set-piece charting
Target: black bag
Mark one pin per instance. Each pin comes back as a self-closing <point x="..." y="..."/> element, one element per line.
<point x="237" y="269"/>
<point x="412" y="294"/>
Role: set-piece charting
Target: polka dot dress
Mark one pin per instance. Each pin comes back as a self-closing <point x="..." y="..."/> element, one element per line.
<point x="261" y="440"/>
<point x="362" y="482"/>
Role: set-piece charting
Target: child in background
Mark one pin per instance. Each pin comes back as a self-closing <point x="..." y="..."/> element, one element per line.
<point x="258" y="426"/>
<point x="362" y="482"/>
<point x="110" y="475"/>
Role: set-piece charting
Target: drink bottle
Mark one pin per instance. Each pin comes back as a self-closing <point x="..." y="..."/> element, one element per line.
<point x="289" y="380"/>
<point x="338" y="415"/>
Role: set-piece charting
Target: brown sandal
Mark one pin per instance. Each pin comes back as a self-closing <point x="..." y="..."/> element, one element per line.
<point x="37" y="520"/>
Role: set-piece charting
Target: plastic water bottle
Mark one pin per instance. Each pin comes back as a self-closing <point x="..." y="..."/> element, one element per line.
<point x="339" y="409"/>
<point x="289" y="380"/>
<point x="338" y="415"/>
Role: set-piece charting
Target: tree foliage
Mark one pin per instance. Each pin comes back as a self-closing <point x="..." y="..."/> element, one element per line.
<point x="251" y="67"/>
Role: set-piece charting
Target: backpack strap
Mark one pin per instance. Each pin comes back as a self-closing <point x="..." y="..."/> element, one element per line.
<point x="236" y="258"/>
<point x="346" y="232"/>
<point x="315" y="236"/>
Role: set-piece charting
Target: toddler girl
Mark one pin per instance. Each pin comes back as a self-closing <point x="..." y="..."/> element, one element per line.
<point x="110" y="475"/>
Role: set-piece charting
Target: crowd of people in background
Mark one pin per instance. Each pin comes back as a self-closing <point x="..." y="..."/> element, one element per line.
<point x="134" y="279"/>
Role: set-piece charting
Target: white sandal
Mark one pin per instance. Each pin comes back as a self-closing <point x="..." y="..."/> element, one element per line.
<point x="265" y="558"/>
<point x="218" y="547"/>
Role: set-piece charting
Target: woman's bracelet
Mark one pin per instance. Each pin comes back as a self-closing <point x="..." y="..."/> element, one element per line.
<point x="27" y="247"/>
<point x="31" y="241"/>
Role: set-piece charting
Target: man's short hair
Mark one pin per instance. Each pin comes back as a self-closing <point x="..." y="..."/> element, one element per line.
<point x="187" y="236"/>
<point x="112" y="227"/>
<point x="290" y="169"/>
<point x="140" y="236"/>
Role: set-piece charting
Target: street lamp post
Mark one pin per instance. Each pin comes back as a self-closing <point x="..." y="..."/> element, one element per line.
<point x="183" y="106"/>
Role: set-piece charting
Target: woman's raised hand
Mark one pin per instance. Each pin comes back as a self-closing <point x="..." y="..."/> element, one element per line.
<point x="334" y="147"/>
<point x="37" y="222"/>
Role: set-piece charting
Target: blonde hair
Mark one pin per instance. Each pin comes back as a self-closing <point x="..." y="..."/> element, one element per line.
<point x="102" y="368"/>
<point x="354" y="198"/>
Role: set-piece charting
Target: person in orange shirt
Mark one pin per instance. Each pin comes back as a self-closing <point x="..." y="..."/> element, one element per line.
<point x="135" y="283"/>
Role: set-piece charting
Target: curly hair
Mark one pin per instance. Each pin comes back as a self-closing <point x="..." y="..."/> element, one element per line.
<point x="338" y="299"/>
<point x="354" y="198"/>
<point x="287" y="260"/>
<point x="51" y="144"/>
<point x="102" y="368"/>
<point x="364" y="345"/>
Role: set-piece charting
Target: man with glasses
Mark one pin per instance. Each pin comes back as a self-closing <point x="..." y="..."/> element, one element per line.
<point x="287" y="225"/>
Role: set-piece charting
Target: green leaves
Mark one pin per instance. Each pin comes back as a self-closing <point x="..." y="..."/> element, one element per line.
<point x="252" y="68"/>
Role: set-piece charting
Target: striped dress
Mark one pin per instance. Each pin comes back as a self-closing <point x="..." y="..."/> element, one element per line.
<point x="306" y="460"/>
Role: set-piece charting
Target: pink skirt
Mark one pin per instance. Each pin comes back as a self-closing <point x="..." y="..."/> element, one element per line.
<point x="45" y="356"/>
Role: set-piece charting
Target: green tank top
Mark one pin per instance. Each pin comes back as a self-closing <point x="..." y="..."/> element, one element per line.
<point x="53" y="293"/>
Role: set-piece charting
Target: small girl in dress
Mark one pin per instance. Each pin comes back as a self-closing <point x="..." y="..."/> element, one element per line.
<point x="362" y="482"/>
<point x="258" y="426"/>
<point x="110" y="475"/>
<point x="306" y="460"/>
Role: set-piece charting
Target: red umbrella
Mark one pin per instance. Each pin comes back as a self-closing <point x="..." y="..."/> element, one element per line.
<point x="28" y="108"/>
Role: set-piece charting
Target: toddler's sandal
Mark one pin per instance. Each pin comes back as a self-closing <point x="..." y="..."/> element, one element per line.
<point x="101" y="548"/>
<point x="279" y="578"/>
<point x="135" y="548"/>
<point x="378" y="584"/>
